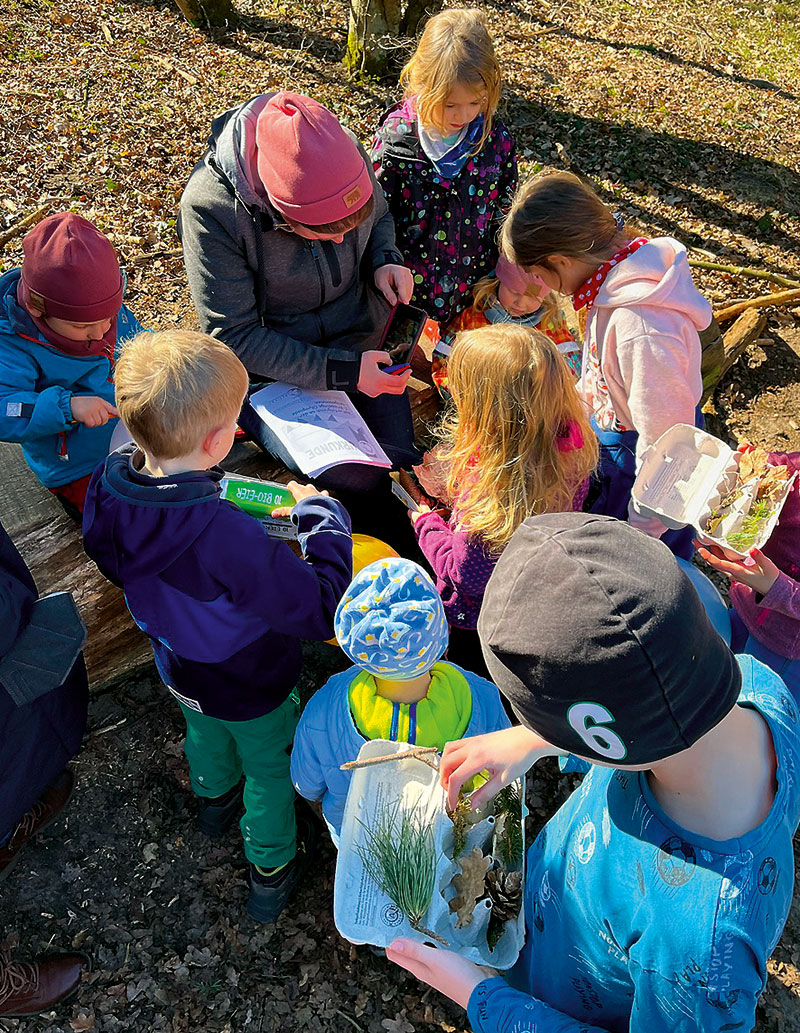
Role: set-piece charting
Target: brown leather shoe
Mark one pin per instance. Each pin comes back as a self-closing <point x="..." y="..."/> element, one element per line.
<point x="29" y="988"/>
<point x="46" y="809"/>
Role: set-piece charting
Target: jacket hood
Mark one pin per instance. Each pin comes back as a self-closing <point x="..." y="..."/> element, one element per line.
<point x="11" y="311"/>
<point x="232" y="153"/>
<point x="656" y="275"/>
<point x="136" y="526"/>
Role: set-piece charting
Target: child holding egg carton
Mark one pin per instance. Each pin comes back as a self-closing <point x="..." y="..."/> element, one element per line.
<point x="391" y="624"/>
<point x="765" y="586"/>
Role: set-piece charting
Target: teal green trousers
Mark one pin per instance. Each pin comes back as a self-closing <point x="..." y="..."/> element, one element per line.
<point x="220" y="752"/>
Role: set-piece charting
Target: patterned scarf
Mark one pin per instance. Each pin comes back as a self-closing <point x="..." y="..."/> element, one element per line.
<point x="585" y="295"/>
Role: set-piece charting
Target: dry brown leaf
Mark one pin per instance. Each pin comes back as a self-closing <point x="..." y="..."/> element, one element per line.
<point x="82" y="1023"/>
<point x="470" y="884"/>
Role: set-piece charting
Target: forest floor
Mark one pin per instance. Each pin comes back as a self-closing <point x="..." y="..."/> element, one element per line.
<point x="684" y="113"/>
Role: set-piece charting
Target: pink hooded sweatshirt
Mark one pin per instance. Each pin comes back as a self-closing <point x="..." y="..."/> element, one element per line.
<point x="642" y="353"/>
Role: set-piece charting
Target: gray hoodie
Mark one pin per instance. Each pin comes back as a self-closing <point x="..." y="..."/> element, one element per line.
<point x="292" y="309"/>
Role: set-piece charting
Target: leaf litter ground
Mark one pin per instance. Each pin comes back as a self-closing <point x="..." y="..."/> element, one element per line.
<point x="686" y="116"/>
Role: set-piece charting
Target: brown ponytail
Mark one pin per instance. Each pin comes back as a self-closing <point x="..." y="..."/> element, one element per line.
<point x="557" y="213"/>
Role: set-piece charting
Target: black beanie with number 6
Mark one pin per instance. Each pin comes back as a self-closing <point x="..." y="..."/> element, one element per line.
<point x="601" y="643"/>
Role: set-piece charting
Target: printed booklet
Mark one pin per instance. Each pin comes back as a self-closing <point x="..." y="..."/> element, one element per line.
<point x="319" y="429"/>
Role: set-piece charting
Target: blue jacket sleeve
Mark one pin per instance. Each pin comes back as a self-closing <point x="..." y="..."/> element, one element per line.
<point x="295" y="596"/>
<point x="660" y="1005"/>
<point x="25" y="413"/>
<point x="307" y="773"/>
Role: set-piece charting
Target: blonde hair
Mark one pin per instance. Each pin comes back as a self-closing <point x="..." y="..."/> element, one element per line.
<point x="455" y="48"/>
<point x="174" y="387"/>
<point x="485" y="291"/>
<point x="514" y="398"/>
<point x="557" y="213"/>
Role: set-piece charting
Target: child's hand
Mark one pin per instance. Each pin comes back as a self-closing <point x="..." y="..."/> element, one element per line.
<point x="395" y="282"/>
<point x="444" y="970"/>
<point x="91" y="411"/>
<point x="300" y="491"/>
<point x="421" y="509"/>
<point x="373" y="382"/>
<point x="760" y="577"/>
<point x="432" y="475"/>
<point x="506" y="755"/>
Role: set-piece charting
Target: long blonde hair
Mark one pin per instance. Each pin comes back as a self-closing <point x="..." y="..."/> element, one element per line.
<point x="455" y="48"/>
<point x="514" y="398"/>
<point x="485" y="291"/>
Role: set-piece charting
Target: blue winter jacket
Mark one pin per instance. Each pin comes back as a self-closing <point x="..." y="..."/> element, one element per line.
<point x="327" y="737"/>
<point x="37" y="382"/>
<point x="224" y="605"/>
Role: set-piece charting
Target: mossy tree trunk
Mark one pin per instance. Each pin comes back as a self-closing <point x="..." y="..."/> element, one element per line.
<point x="377" y="28"/>
<point x="205" y="13"/>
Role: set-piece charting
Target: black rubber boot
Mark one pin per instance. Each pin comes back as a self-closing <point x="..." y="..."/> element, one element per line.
<point x="269" y="893"/>
<point x="216" y="814"/>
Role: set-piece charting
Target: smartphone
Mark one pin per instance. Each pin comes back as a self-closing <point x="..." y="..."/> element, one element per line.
<point x="403" y="330"/>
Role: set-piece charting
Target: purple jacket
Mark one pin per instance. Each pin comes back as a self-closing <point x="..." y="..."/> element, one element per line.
<point x="446" y="228"/>
<point x="462" y="564"/>
<point x="224" y="606"/>
<point x="774" y="619"/>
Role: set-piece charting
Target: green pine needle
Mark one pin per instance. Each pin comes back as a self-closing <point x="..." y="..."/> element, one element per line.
<point x="399" y="855"/>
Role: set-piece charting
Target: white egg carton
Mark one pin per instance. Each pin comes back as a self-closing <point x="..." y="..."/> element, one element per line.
<point x="364" y="914"/>
<point x="684" y="476"/>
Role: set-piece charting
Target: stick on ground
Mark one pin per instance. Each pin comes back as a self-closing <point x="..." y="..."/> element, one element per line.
<point x="781" y="298"/>
<point x="743" y="270"/>
<point x="23" y="224"/>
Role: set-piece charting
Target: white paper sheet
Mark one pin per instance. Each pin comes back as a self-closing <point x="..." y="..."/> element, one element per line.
<point x="320" y="429"/>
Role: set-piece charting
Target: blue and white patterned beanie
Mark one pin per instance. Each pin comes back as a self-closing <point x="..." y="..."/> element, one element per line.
<point x="391" y="620"/>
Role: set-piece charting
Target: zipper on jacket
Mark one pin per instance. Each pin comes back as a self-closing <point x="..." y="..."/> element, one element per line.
<point x="312" y="245"/>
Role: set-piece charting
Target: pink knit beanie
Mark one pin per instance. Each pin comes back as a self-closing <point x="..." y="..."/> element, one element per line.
<point x="311" y="169"/>
<point x="73" y="267"/>
<point x="518" y="280"/>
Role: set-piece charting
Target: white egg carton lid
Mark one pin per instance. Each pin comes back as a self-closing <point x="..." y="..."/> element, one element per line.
<point x="685" y="474"/>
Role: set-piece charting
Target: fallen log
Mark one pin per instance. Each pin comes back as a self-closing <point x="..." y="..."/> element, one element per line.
<point x="744" y="270"/>
<point x="744" y="332"/>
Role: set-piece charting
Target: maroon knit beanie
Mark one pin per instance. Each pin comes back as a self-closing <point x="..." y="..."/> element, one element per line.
<point x="311" y="168"/>
<point x="73" y="267"/>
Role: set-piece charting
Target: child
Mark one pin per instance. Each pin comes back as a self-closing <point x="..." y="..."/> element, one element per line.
<point x="511" y="295"/>
<point x="656" y="894"/>
<point x="766" y="595"/>
<point x="61" y="323"/>
<point x="224" y="605"/>
<point x="641" y="354"/>
<point x="446" y="163"/>
<point x="518" y="442"/>
<point x="391" y="624"/>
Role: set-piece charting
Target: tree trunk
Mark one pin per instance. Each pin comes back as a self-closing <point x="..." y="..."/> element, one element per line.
<point x="205" y="13"/>
<point x="417" y="13"/>
<point x="376" y="30"/>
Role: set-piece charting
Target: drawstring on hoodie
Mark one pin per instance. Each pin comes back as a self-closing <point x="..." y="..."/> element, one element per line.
<point x="263" y="223"/>
<point x="63" y="453"/>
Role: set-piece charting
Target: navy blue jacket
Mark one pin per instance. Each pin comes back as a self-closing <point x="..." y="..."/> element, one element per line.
<point x="224" y="605"/>
<point x="38" y="739"/>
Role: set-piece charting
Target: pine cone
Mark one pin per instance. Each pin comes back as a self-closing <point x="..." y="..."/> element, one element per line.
<point x="505" y="892"/>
